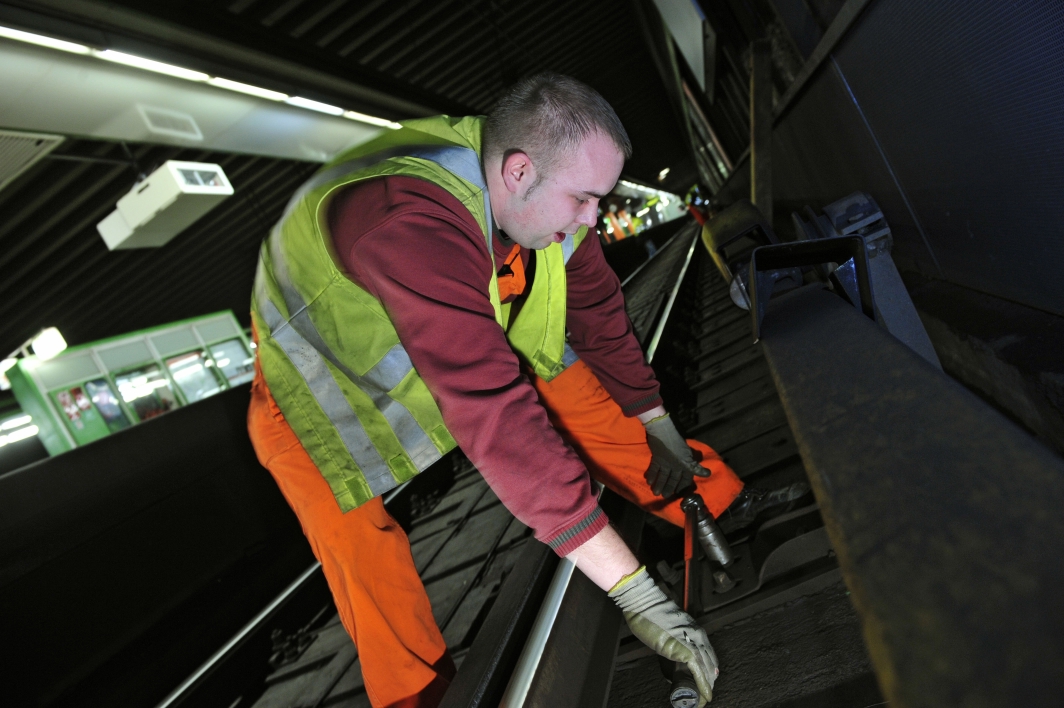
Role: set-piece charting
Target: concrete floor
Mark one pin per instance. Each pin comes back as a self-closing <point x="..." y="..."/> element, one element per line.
<point x="806" y="653"/>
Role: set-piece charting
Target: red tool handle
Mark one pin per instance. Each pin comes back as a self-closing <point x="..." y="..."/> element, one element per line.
<point x="688" y="558"/>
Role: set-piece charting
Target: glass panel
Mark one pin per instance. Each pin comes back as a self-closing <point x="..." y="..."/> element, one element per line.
<point x="201" y="178"/>
<point x="147" y="390"/>
<point x="82" y="419"/>
<point x="103" y="396"/>
<point x="192" y="373"/>
<point x="232" y="359"/>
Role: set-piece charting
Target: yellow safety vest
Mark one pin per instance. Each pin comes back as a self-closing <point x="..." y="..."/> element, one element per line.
<point x="328" y="350"/>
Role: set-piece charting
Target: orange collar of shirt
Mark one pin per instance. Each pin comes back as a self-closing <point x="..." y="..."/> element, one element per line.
<point x="512" y="275"/>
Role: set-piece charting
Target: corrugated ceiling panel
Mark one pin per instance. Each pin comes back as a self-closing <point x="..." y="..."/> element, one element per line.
<point x="57" y="270"/>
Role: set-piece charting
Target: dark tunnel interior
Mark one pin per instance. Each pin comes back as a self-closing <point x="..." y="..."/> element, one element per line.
<point x="157" y="564"/>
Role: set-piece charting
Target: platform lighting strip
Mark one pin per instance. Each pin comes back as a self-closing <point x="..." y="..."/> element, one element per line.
<point x="191" y="75"/>
<point x="15" y="429"/>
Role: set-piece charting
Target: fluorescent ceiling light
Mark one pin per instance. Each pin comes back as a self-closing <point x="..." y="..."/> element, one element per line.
<point x="15" y="422"/>
<point x="191" y="75"/>
<point x="314" y="105"/>
<point x="372" y="120"/>
<point x="248" y="89"/>
<point x="48" y="344"/>
<point x="22" y="434"/>
<point x="151" y="65"/>
<point x="43" y="41"/>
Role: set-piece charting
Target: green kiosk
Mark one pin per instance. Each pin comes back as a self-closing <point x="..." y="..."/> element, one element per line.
<point x="90" y="391"/>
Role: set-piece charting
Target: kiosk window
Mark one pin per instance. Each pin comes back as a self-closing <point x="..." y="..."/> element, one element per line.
<point x="232" y="359"/>
<point x="193" y="375"/>
<point x="147" y="391"/>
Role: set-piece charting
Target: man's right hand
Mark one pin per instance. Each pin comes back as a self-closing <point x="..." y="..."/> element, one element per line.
<point x="660" y="624"/>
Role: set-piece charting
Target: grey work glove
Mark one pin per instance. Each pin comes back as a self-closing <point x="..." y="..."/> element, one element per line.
<point x="672" y="465"/>
<point x="661" y="625"/>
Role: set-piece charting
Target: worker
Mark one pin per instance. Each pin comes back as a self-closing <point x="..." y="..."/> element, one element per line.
<point x="438" y="286"/>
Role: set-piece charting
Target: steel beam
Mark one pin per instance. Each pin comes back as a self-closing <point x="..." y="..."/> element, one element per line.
<point x="194" y="36"/>
<point x="945" y="515"/>
<point x="761" y="126"/>
<point x="70" y="94"/>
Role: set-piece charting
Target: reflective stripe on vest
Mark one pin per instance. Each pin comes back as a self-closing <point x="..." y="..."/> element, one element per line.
<point x="568" y="246"/>
<point x="307" y="351"/>
<point x="569" y="357"/>
<point x="311" y="366"/>
<point x="458" y="160"/>
<point x="369" y="431"/>
<point x="376" y="383"/>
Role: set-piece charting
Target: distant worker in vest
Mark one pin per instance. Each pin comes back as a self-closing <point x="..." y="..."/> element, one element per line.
<point x="441" y="286"/>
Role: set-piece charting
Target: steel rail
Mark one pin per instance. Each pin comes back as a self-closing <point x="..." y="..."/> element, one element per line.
<point x="207" y="666"/>
<point x="395" y="492"/>
<point x="529" y="660"/>
<point x="482" y="678"/>
<point x="650" y="260"/>
<point x="239" y="637"/>
<point x="656" y="339"/>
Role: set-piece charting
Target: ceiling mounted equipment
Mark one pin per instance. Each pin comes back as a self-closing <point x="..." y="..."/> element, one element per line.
<point x="164" y="204"/>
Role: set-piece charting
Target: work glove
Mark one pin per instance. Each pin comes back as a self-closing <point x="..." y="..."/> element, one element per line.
<point x="672" y="464"/>
<point x="661" y="625"/>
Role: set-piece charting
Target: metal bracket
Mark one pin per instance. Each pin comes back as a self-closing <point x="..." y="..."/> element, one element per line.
<point x="770" y="264"/>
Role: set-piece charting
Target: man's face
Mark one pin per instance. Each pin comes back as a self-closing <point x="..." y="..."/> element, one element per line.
<point x="536" y="215"/>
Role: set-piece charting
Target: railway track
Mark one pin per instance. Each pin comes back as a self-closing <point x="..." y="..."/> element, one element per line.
<point x="527" y="631"/>
<point x="489" y="587"/>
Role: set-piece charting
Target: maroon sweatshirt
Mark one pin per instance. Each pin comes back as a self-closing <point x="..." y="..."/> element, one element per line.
<point x="415" y="248"/>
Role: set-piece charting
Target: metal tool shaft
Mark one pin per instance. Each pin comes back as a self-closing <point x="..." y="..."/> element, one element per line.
<point x="709" y="535"/>
<point x="683" y="692"/>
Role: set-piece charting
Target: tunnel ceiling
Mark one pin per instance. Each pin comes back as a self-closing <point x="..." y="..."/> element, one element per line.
<point x="450" y="56"/>
<point x="447" y="55"/>
<point x="58" y="272"/>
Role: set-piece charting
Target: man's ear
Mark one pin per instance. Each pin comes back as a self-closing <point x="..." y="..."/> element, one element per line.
<point x="518" y="172"/>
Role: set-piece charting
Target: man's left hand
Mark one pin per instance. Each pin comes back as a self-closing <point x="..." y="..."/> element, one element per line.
<point x="672" y="464"/>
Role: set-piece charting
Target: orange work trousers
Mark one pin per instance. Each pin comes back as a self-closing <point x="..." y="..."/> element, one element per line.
<point x="614" y="447"/>
<point x="365" y="555"/>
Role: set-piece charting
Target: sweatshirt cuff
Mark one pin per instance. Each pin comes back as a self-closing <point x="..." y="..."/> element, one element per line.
<point x="643" y="405"/>
<point x="576" y="535"/>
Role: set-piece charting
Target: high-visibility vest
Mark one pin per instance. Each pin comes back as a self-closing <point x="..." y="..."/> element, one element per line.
<point x="329" y="352"/>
